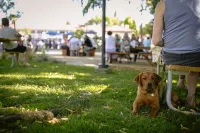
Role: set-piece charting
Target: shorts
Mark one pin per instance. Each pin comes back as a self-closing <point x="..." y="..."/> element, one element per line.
<point x="19" y="48"/>
<point x="188" y="59"/>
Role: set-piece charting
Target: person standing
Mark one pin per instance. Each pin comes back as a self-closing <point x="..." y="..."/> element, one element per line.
<point x="110" y="44"/>
<point x="179" y="26"/>
<point x="88" y="45"/>
<point x="66" y="44"/>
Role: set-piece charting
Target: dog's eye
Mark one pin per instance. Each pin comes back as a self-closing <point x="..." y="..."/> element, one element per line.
<point x="153" y="78"/>
<point x="144" y="78"/>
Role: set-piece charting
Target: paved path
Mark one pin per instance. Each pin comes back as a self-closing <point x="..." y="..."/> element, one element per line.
<point x="56" y="55"/>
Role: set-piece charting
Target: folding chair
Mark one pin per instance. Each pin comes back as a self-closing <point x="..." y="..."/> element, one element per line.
<point x="180" y="70"/>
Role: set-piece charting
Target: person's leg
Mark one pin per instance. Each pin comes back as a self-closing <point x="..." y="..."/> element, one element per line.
<point x="17" y="58"/>
<point x="192" y="79"/>
<point x="68" y="51"/>
<point x="135" y="57"/>
<point x="86" y="50"/>
<point x="181" y="82"/>
<point x="27" y="53"/>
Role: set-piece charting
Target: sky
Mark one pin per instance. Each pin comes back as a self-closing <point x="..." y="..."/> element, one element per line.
<point x="44" y="14"/>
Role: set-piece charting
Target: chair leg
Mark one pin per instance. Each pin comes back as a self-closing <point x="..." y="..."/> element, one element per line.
<point x="168" y="96"/>
<point x="169" y="91"/>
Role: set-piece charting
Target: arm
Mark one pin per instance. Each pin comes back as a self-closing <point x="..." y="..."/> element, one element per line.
<point x="158" y="24"/>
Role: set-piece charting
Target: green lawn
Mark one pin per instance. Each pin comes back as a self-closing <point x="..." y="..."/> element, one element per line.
<point x="88" y="102"/>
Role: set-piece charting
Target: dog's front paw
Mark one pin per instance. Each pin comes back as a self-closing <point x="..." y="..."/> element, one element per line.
<point x="134" y="112"/>
<point x="151" y="115"/>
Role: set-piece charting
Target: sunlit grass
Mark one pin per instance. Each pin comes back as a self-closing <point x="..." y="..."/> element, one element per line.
<point x="88" y="102"/>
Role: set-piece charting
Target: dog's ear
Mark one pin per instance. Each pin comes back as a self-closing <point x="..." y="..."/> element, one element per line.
<point x="158" y="78"/>
<point x="138" y="79"/>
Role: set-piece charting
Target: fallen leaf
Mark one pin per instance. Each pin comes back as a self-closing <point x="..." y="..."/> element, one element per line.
<point x="184" y="128"/>
<point x="107" y="107"/>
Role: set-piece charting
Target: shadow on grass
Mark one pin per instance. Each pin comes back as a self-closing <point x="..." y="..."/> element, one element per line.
<point x="91" y="102"/>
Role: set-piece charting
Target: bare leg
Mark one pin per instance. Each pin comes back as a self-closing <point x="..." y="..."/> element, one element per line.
<point x="17" y="58"/>
<point x="192" y="79"/>
<point x="181" y="81"/>
<point x="27" y="53"/>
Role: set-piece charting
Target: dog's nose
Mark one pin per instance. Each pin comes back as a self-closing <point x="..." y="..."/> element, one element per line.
<point x="149" y="84"/>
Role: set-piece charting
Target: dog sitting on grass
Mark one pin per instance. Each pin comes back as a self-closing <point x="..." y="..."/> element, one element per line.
<point x="148" y="93"/>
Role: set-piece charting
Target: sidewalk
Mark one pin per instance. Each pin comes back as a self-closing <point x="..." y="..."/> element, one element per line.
<point x="56" y="55"/>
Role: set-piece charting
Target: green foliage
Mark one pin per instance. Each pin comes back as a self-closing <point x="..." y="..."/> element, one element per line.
<point x="113" y="21"/>
<point x="95" y="20"/>
<point x="90" y="4"/>
<point x="152" y="5"/>
<point x="79" y="33"/>
<point x="89" y="102"/>
<point x="7" y="5"/>
<point x="129" y="21"/>
<point x="26" y="31"/>
<point x="148" y="29"/>
<point x="109" y="21"/>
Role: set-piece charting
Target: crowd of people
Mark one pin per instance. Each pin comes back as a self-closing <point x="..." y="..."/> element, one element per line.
<point x="125" y="44"/>
<point x="75" y="46"/>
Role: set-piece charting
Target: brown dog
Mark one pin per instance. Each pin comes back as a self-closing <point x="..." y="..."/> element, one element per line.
<point x="148" y="93"/>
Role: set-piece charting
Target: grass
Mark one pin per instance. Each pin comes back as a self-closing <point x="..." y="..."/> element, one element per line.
<point x="90" y="102"/>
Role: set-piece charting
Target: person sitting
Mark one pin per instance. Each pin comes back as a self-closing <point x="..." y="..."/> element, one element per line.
<point x="88" y="45"/>
<point x="65" y="37"/>
<point x="134" y="43"/>
<point x="117" y="42"/>
<point x="147" y="43"/>
<point x="125" y="44"/>
<point x="180" y="42"/>
<point x="74" y="45"/>
<point x="14" y="46"/>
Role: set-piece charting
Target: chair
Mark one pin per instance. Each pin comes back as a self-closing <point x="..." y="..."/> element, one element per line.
<point x="183" y="70"/>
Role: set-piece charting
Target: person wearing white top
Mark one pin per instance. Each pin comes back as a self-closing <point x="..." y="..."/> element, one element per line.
<point x="74" y="44"/>
<point x="110" y="44"/>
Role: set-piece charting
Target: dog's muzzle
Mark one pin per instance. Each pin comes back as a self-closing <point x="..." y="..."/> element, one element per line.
<point x="149" y="87"/>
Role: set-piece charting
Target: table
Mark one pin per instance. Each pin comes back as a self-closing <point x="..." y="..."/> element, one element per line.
<point x="8" y="39"/>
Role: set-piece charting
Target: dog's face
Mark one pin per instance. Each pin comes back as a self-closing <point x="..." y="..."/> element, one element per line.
<point x="148" y="81"/>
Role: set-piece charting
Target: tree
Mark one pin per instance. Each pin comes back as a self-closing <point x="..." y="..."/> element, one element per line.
<point x="109" y="21"/>
<point x="148" y="28"/>
<point x="95" y="20"/>
<point x="79" y="33"/>
<point x="151" y="4"/>
<point x="67" y="23"/>
<point x="26" y="31"/>
<point x="130" y="22"/>
<point x="6" y="6"/>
